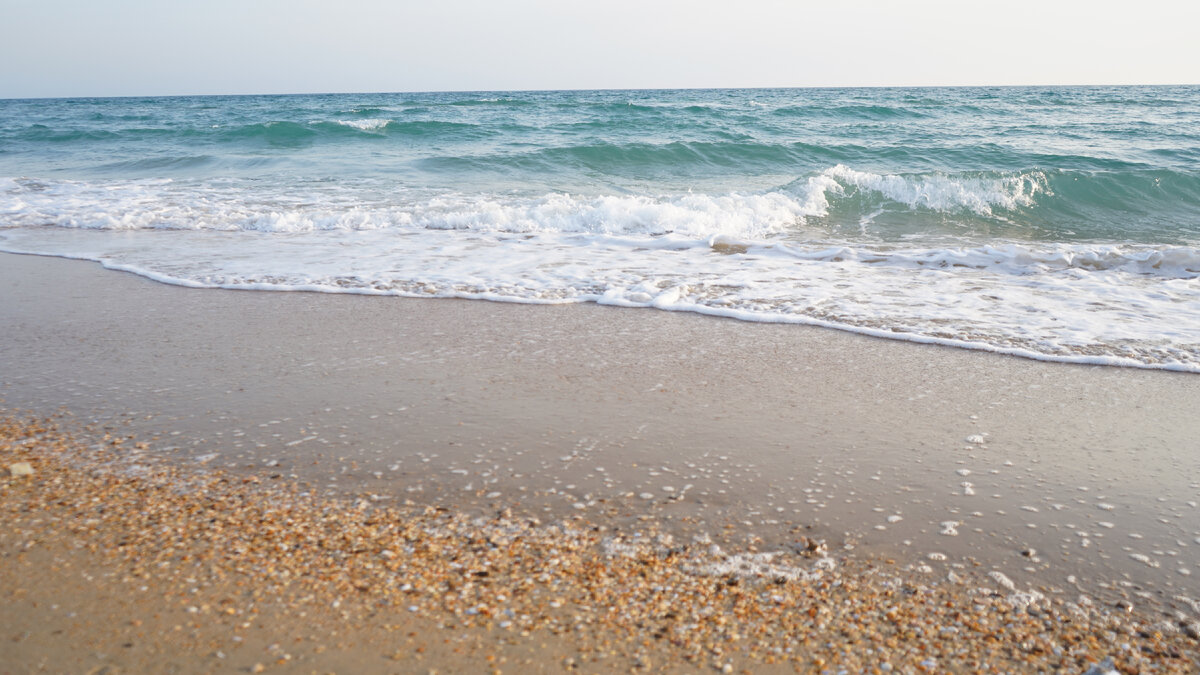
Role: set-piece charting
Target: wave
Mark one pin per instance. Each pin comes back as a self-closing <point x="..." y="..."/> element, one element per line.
<point x="696" y="216"/>
<point x="609" y="157"/>
<point x="413" y="128"/>
<point x="274" y="132"/>
<point x="47" y="134"/>
<point x="500" y="101"/>
<point x="850" y="112"/>
<point x="281" y="133"/>
<point x="650" y="160"/>
<point x="368" y="124"/>
<point x="613" y="108"/>
<point x="1159" y="207"/>
<point x="134" y="205"/>
<point x="367" y="111"/>
<point x="976" y="193"/>
<point x="1113" y="305"/>
<point x="1018" y="259"/>
<point x="1133" y="204"/>
<point x="158" y="164"/>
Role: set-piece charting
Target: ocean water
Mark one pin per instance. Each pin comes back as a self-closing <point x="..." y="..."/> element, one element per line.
<point x="1053" y="223"/>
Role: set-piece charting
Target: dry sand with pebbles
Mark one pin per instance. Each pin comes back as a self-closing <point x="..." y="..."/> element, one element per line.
<point x="328" y="483"/>
<point x="112" y="564"/>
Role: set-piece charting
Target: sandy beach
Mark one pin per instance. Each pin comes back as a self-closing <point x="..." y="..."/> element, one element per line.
<point x="816" y="479"/>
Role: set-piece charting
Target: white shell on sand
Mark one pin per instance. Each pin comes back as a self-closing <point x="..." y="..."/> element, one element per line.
<point x="21" y="469"/>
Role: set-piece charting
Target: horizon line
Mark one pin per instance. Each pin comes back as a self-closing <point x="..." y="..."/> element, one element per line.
<point x="588" y="89"/>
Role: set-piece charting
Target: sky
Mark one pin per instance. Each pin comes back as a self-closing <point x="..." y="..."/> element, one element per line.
<point x="52" y="48"/>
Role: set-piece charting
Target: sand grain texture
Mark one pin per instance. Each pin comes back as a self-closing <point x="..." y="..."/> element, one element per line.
<point x="150" y="567"/>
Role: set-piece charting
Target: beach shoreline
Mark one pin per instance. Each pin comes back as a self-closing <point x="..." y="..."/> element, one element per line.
<point x="1053" y="476"/>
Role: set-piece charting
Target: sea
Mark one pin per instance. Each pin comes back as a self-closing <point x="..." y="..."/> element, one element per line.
<point x="1054" y="223"/>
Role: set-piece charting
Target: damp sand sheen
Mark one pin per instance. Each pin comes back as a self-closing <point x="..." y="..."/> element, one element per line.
<point x="800" y="467"/>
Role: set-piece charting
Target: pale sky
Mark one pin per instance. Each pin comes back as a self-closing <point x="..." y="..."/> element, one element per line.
<point x="162" y="47"/>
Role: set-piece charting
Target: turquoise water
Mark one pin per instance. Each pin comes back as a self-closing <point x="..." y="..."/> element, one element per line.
<point x="1058" y="223"/>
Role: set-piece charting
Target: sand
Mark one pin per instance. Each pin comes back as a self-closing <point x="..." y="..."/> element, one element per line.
<point x="1066" y="480"/>
<point x="111" y="563"/>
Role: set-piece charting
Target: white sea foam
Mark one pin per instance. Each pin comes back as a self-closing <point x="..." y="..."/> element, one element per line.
<point x="746" y="256"/>
<point x="739" y="216"/>
<point x="946" y="193"/>
<point x="365" y="124"/>
<point x="134" y="205"/>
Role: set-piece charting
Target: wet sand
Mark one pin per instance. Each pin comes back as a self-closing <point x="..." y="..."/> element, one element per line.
<point x="1071" y="479"/>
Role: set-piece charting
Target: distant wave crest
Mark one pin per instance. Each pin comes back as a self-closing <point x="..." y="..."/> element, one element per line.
<point x="369" y="124"/>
